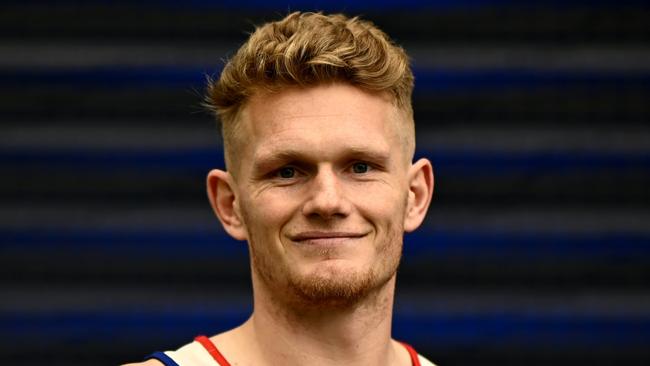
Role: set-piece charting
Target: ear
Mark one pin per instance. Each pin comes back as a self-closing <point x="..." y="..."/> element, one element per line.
<point x="223" y="199"/>
<point x="420" y="192"/>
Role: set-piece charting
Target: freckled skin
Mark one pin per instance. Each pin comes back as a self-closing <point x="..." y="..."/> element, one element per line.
<point x="343" y="147"/>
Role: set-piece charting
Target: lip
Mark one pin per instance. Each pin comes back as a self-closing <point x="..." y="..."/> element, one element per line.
<point x="325" y="237"/>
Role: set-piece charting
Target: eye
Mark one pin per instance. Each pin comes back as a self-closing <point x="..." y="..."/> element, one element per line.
<point x="360" y="168"/>
<point x="287" y="172"/>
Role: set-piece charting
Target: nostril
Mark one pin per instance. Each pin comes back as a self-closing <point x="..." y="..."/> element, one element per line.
<point x="325" y="204"/>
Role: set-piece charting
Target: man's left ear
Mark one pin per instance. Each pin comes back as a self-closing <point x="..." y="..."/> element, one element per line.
<point x="420" y="192"/>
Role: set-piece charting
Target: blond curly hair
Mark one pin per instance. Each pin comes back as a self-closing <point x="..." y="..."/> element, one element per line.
<point x="307" y="49"/>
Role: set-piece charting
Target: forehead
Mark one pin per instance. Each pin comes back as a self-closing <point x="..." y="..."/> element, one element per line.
<point x="321" y="119"/>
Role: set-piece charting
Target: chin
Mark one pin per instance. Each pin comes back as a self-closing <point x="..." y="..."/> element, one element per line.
<point x="335" y="285"/>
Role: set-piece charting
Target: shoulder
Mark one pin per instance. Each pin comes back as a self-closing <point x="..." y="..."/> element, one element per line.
<point x="151" y="362"/>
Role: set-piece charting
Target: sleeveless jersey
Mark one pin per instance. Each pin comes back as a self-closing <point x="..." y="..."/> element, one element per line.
<point x="202" y="352"/>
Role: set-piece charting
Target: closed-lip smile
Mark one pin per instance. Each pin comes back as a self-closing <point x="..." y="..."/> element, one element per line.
<point x="306" y="236"/>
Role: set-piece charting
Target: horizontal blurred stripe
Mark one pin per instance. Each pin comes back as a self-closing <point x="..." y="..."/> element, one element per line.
<point x="426" y="80"/>
<point x="475" y="163"/>
<point x="358" y="5"/>
<point x="487" y="329"/>
<point x="425" y="55"/>
<point x="422" y="244"/>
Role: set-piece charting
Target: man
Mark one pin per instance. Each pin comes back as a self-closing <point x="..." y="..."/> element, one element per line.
<point x="319" y="140"/>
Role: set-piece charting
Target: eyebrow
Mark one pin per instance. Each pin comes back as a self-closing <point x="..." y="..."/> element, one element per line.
<point x="268" y="160"/>
<point x="274" y="158"/>
<point x="372" y="155"/>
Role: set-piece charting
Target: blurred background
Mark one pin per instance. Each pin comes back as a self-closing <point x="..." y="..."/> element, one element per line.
<point x="536" y="250"/>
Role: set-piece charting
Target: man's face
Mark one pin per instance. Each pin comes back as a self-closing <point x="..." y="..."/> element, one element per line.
<point x="322" y="190"/>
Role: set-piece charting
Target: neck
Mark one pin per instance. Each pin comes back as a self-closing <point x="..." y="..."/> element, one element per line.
<point x="350" y="334"/>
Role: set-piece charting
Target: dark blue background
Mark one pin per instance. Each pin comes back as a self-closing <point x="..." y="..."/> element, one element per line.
<point x="534" y="114"/>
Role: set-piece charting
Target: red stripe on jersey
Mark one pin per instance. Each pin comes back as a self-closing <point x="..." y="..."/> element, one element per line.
<point x="415" y="361"/>
<point x="212" y="350"/>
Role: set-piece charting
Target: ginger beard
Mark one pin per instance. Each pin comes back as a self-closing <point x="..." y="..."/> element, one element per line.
<point x="328" y="286"/>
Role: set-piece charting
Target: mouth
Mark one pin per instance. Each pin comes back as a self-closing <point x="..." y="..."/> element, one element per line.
<point x="325" y="237"/>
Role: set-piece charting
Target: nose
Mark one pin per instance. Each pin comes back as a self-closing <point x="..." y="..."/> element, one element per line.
<point x="326" y="197"/>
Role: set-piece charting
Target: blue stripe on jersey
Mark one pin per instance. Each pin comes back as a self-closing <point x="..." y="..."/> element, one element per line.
<point x="162" y="357"/>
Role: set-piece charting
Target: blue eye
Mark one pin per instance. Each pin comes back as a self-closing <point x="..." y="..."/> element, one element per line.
<point x="360" y="168"/>
<point x="287" y="172"/>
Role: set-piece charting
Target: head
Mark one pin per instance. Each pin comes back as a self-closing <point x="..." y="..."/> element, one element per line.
<point x="319" y="140"/>
<point x="308" y="49"/>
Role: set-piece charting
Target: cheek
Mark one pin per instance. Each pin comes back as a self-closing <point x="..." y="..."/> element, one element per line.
<point x="270" y="208"/>
<point x="382" y="205"/>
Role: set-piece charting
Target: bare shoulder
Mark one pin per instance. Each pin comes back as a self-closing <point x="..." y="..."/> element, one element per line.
<point x="151" y="362"/>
